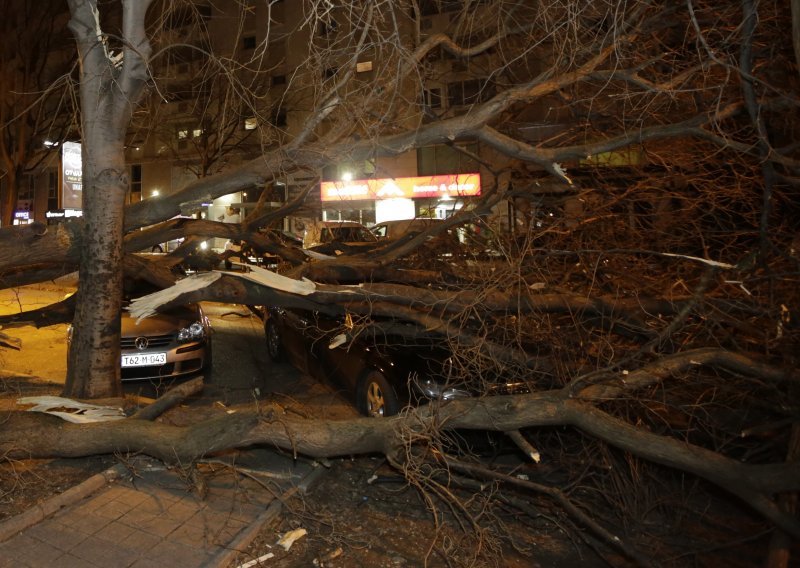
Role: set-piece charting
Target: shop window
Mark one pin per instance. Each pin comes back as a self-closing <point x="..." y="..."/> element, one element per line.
<point x="440" y="160"/>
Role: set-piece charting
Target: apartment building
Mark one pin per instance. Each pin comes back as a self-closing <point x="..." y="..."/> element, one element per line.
<point x="196" y="122"/>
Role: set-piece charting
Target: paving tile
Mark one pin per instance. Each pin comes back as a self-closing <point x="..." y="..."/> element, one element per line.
<point x="137" y="517"/>
<point x="181" y="510"/>
<point x="153" y="522"/>
<point x="149" y="563"/>
<point x="227" y="533"/>
<point x="72" y="561"/>
<point x="177" y="555"/>
<point x="209" y="520"/>
<point x="190" y="535"/>
<point x="131" y="495"/>
<point x="114" y="532"/>
<point x="249" y="512"/>
<point x="160" y="526"/>
<point x="153" y="505"/>
<point x="104" y="553"/>
<point x="86" y="522"/>
<point x="57" y="535"/>
<point x="112" y="509"/>
<point x="142" y="540"/>
<point x="17" y="545"/>
<point x="43" y="554"/>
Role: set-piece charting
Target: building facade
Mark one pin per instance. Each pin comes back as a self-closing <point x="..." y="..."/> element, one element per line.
<point x="197" y="123"/>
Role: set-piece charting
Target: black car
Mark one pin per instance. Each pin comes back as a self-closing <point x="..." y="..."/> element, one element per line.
<point x="383" y="374"/>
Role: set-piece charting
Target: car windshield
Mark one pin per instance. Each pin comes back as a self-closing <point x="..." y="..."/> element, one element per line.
<point x="346" y="235"/>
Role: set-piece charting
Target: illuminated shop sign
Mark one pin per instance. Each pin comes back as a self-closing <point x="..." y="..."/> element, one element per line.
<point x="63" y="213"/>
<point x="71" y="175"/>
<point x="460" y="185"/>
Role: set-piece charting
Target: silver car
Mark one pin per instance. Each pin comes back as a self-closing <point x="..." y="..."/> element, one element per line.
<point x="166" y="345"/>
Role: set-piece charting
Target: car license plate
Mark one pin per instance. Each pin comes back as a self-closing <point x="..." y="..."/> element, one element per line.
<point x="144" y="359"/>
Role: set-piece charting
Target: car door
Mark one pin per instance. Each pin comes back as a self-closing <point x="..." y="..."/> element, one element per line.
<point x="295" y="332"/>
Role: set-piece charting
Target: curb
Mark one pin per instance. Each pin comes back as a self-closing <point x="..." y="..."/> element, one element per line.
<point x="239" y="544"/>
<point x="41" y="511"/>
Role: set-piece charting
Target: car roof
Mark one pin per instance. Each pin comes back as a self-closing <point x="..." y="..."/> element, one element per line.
<point x="340" y="224"/>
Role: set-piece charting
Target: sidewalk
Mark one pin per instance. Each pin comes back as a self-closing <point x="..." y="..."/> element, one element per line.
<point x="150" y="516"/>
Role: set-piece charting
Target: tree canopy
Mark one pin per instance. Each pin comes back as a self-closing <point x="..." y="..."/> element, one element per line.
<point x="642" y="158"/>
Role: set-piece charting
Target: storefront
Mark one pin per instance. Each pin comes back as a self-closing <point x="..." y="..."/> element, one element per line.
<point x="372" y="201"/>
<point x="55" y="216"/>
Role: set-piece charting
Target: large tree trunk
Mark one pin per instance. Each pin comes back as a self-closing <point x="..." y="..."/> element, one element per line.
<point x="8" y="197"/>
<point x="108" y="92"/>
<point x="29" y="435"/>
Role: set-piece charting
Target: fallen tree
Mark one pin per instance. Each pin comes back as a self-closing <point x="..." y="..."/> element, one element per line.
<point x="755" y="484"/>
<point x="643" y="284"/>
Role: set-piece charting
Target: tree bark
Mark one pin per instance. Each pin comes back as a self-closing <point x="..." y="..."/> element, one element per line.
<point x="28" y="435"/>
<point x="108" y="93"/>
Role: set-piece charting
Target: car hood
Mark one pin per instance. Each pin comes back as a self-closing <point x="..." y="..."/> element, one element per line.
<point x="159" y="324"/>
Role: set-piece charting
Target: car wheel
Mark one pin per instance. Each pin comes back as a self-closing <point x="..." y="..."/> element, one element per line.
<point x="376" y="397"/>
<point x="273" y="337"/>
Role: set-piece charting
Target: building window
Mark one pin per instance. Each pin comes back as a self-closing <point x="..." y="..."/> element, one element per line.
<point x="442" y="159"/>
<point x="278" y="80"/>
<point x="328" y="28"/>
<point x="250" y="123"/>
<point x="330" y="72"/>
<point x="433" y="7"/>
<point x="185" y="133"/>
<point x="249" y="42"/>
<point x="52" y="189"/>
<point x="432" y="98"/>
<point x="279" y="118"/>
<point x="26" y="188"/>
<point x="185" y="16"/>
<point x="469" y="92"/>
<point x="204" y="11"/>
<point x="136" y="183"/>
<point x="363" y="66"/>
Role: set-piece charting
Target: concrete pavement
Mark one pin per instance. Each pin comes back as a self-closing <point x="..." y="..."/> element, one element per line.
<point x="145" y="515"/>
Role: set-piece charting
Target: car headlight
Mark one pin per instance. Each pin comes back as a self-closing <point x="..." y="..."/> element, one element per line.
<point x="437" y="391"/>
<point x="193" y="332"/>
